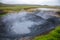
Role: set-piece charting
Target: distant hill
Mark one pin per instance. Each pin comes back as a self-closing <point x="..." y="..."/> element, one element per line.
<point x="31" y="5"/>
<point x="15" y="4"/>
<point x="2" y="4"/>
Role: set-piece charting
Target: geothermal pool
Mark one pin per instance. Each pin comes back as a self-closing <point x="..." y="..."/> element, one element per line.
<point x="25" y="24"/>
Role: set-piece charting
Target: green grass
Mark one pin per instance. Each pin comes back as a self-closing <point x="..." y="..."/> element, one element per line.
<point x="53" y="35"/>
<point x="18" y="8"/>
<point x="14" y="8"/>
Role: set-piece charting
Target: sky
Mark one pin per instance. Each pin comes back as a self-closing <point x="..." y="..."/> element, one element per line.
<point x="39" y="2"/>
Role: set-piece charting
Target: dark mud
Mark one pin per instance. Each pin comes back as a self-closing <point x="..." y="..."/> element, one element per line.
<point x="26" y="25"/>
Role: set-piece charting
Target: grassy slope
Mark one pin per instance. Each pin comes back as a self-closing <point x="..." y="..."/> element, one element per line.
<point x="27" y="6"/>
<point x="22" y="6"/>
<point x="14" y="8"/>
<point x="53" y="35"/>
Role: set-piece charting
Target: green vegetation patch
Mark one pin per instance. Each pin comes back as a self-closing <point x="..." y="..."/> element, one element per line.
<point x="53" y="35"/>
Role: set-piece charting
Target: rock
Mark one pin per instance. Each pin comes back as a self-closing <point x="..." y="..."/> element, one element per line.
<point x="2" y="12"/>
<point x="58" y="13"/>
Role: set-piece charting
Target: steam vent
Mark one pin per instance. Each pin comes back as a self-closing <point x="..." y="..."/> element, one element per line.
<point x="25" y="25"/>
